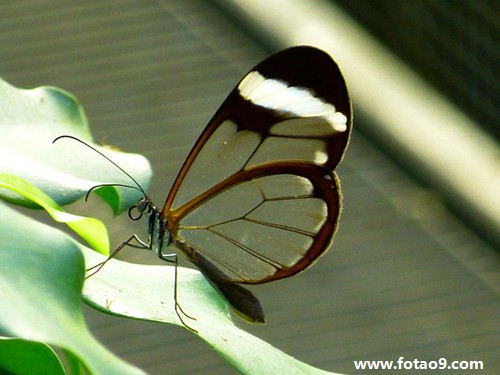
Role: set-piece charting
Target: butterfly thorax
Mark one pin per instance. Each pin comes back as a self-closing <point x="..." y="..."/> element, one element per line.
<point x="158" y="234"/>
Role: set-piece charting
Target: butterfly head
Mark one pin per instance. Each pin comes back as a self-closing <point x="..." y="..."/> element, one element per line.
<point x="143" y="206"/>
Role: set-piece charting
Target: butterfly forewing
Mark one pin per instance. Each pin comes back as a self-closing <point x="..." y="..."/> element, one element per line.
<point x="257" y="198"/>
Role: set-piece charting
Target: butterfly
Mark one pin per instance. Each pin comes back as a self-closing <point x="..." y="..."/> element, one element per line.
<point x="257" y="198"/>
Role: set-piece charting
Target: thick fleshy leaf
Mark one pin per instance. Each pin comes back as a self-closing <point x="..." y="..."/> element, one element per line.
<point x="146" y="292"/>
<point x="29" y="122"/>
<point x="41" y="276"/>
<point x="91" y="230"/>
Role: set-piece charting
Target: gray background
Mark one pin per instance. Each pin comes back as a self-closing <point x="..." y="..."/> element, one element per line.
<point x="403" y="277"/>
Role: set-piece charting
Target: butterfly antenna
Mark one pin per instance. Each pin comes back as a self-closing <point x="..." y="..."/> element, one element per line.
<point x="102" y="185"/>
<point x="138" y="187"/>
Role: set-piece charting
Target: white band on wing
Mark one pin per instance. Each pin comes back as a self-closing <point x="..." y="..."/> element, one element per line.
<point x="298" y="101"/>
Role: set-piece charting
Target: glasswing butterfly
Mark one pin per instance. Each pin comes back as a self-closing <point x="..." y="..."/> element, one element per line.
<point x="257" y="198"/>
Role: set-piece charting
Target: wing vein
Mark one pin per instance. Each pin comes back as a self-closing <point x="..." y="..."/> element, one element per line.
<point x="279" y="226"/>
<point x="247" y="249"/>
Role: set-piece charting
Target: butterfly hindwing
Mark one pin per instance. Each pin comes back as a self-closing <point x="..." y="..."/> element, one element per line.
<point x="254" y="232"/>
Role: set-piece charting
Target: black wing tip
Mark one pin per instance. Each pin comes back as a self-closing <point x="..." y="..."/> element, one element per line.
<point x="242" y="301"/>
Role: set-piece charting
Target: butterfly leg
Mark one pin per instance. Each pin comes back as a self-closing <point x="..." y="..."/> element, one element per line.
<point x="141" y="245"/>
<point x="172" y="258"/>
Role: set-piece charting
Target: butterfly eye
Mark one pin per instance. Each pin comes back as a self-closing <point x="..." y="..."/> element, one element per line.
<point x="136" y="211"/>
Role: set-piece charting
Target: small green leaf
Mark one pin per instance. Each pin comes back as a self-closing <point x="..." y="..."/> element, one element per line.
<point x="74" y="365"/>
<point x="91" y="230"/>
<point x="22" y="357"/>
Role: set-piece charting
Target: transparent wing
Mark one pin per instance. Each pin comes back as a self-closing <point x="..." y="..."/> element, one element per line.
<point x="256" y="199"/>
<point x="270" y="225"/>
